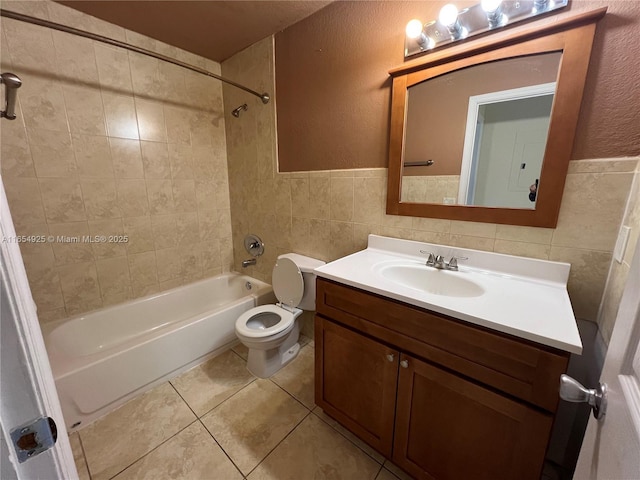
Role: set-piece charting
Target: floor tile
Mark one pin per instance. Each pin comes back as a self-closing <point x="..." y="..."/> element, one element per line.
<point x="126" y="434"/>
<point x="378" y="457"/>
<point x="397" y="471"/>
<point x="78" y="457"/>
<point x="385" y="474"/>
<point x="241" y="350"/>
<point x="251" y="423"/>
<point x="191" y="454"/>
<point x="316" y="451"/>
<point x="297" y="377"/>
<point x="209" y="384"/>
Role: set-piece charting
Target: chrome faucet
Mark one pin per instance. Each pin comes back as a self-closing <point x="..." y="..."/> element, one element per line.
<point x="438" y="261"/>
<point x="246" y="263"/>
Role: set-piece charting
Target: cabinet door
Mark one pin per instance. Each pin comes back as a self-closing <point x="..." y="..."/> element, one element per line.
<point x="450" y="428"/>
<point x="356" y="380"/>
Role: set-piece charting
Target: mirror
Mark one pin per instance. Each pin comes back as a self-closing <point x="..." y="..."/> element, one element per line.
<point x="484" y="132"/>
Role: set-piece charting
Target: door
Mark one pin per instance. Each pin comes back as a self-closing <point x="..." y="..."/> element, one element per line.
<point x="449" y="428"/>
<point x="26" y="381"/>
<point x="611" y="446"/>
<point x="356" y="379"/>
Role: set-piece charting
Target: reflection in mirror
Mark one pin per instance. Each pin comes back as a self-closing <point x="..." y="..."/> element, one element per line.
<point x="477" y="136"/>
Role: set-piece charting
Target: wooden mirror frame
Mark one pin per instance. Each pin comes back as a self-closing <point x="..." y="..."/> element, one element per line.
<point x="573" y="36"/>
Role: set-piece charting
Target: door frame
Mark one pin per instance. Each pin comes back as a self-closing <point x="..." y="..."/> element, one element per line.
<point x="27" y="328"/>
<point x="467" y="170"/>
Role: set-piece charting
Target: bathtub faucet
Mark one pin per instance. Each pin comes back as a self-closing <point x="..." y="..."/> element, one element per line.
<point x="246" y="263"/>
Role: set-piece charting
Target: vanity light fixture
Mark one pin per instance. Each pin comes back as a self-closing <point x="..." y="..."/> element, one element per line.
<point x="493" y="9"/>
<point x="449" y="18"/>
<point x="454" y="25"/>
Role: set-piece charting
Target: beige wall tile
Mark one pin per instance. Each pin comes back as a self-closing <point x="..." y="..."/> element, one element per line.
<point x="369" y="200"/>
<point x="586" y="280"/>
<point x="300" y="197"/>
<point x="151" y="120"/>
<point x="184" y="196"/>
<point x="155" y="159"/>
<point x="93" y="156"/>
<point x="52" y="153"/>
<point x="143" y="270"/>
<point x="15" y="152"/>
<point x="476" y="243"/>
<point x="100" y="199"/>
<point x="132" y="198"/>
<point x="140" y="233"/>
<point x="522" y="249"/>
<point x="70" y="245"/>
<point x="181" y="161"/>
<point x="76" y="58"/>
<point x="84" y="109"/>
<point x="62" y="199"/>
<point x="110" y="238"/>
<point x="30" y="46"/>
<point x="187" y="228"/>
<point x="591" y="211"/>
<point x="42" y="104"/>
<point x="319" y="197"/>
<point x="160" y="193"/>
<point x="342" y="195"/>
<point x="120" y="114"/>
<point x="609" y="165"/>
<point x="177" y="124"/>
<point x="611" y="299"/>
<point x="524" y="234"/>
<point x="79" y="282"/>
<point x="165" y="231"/>
<point x="432" y="225"/>
<point x="126" y="157"/>
<point x="474" y="229"/>
<point x="113" y="69"/>
<point x="44" y="280"/>
<point x="113" y="276"/>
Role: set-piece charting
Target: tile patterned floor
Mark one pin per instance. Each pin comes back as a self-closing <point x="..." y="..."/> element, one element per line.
<point x="218" y="422"/>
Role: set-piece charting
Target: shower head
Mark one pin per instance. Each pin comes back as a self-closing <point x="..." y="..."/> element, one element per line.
<point x="11" y="84"/>
<point x="236" y="112"/>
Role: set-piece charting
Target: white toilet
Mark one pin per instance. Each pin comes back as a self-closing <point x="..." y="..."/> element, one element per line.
<point x="270" y="332"/>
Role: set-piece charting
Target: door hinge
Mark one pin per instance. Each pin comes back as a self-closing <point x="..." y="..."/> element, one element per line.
<point x="34" y="438"/>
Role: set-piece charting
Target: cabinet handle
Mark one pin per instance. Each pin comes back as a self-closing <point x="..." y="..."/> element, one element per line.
<point x="404" y="363"/>
<point x="390" y="357"/>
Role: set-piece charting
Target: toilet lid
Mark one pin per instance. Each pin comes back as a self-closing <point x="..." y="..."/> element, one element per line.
<point x="288" y="284"/>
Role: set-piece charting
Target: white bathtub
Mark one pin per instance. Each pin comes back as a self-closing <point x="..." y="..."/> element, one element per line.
<point x="103" y="358"/>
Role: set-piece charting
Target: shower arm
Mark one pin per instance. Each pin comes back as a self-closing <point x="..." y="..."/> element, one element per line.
<point x="116" y="43"/>
<point x="11" y="84"/>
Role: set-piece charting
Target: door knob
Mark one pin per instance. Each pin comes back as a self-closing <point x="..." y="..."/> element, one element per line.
<point x="573" y="391"/>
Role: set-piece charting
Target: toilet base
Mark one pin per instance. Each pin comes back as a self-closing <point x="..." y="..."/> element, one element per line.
<point x="264" y="363"/>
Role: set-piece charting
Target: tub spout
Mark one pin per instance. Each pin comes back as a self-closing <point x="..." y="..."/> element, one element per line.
<point x="246" y="263"/>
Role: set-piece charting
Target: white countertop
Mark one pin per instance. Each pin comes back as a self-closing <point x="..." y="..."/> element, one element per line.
<point x="523" y="297"/>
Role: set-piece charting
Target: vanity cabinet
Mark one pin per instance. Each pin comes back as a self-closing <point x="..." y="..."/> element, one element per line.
<point x="441" y="398"/>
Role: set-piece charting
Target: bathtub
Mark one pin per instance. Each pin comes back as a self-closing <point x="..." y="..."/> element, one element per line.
<point x="104" y="358"/>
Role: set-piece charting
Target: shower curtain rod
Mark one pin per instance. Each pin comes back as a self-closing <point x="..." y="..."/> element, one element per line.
<point x="116" y="43"/>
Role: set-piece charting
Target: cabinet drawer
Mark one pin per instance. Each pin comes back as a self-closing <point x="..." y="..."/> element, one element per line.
<point x="523" y="369"/>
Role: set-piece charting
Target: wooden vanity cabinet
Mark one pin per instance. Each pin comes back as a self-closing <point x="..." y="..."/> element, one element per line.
<point x="438" y="405"/>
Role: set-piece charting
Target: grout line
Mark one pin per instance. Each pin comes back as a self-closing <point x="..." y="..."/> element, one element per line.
<point x="278" y="444"/>
<point x="84" y="455"/>
<point x="351" y="441"/>
<point x="182" y="398"/>
<point x="153" y="449"/>
<point x="221" y="448"/>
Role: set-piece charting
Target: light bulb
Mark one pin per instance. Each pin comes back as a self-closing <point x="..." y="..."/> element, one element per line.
<point x="490" y="5"/>
<point x="414" y="28"/>
<point x="448" y="15"/>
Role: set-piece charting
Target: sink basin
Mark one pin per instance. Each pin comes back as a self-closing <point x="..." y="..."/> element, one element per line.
<point x="431" y="280"/>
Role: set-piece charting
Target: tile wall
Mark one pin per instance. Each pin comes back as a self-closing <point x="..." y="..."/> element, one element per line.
<point x="328" y="214"/>
<point x="116" y="144"/>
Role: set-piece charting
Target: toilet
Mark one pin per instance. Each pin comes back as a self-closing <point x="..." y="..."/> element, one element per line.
<point x="271" y="332"/>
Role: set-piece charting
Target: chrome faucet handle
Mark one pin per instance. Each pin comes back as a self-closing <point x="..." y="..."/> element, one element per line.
<point x="453" y="263"/>
<point x="431" y="259"/>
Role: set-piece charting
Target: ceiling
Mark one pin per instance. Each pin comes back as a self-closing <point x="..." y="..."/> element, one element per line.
<point x="212" y="29"/>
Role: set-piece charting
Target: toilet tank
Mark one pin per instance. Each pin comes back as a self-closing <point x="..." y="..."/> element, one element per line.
<point x="306" y="265"/>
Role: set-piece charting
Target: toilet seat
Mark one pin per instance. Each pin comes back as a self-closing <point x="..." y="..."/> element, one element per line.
<point x="267" y="320"/>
